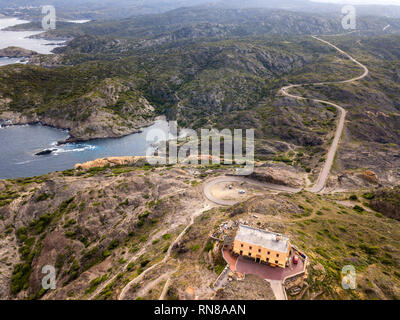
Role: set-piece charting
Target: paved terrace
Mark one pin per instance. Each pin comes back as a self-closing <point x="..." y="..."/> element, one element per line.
<point x="248" y="266"/>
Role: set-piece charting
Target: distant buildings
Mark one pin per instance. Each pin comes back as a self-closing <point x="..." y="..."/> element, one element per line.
<point x="262" y="246"/>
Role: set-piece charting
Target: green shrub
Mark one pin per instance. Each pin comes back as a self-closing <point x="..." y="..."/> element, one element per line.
<point x="64" y="205"/>
<point x="371" y="250"/>
<point x="358" y="209"/>
<point x="166" y="236"/>
<point x="68" y="173"/>
<point x="69" y="223"/>
<point x="20" y="277"/>
<point x="130" y="266"/>
<point x="106" y="253"/>
<point x="219" y="268"/>
<point x="144" y="263"/>
<point x="322" y="252"/>
<point x="369" y="195"/>
<point x="40" y="224"/>
<point x="42" y="197"/>
<point x="195" y="247"/>
<point x="95" y="283"/>
<point x="21" y="234"/>
<point x="209" y="246"/>
<point x="70" y="234"/>
<point x="113" y="244"/>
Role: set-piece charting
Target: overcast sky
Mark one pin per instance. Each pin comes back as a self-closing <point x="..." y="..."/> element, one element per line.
<point x="395" y="2"/>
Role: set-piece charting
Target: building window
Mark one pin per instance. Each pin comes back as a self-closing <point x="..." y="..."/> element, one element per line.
<point x="241" y="245"/>
<point x="250" y="248"/>
<point x="249" y="254"/>
<point x="259" y="250"/>
<point x="277" y="255"/>
<point x="276" y="261"/>
<point x="269" y="252"/>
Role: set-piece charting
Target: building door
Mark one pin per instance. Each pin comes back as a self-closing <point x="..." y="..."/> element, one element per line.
<point x="258" y="260"/>
<point x="241" y="252"/>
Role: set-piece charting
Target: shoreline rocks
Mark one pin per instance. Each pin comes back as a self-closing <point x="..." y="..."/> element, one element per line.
<point x="76" y="135"/>
<point x="45" y="152"/>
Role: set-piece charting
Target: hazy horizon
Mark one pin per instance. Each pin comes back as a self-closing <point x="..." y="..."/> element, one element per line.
<point x="361" y="2"/>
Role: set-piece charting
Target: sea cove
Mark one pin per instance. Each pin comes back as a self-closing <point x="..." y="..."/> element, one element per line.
<point x="19" y="144"/>
<point x="21" y="39"/>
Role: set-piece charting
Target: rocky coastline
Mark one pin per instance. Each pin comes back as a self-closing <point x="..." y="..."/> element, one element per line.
<point x="9" y="118"/>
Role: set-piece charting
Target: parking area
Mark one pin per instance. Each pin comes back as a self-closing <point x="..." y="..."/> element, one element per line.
<point x="248" y="266"/>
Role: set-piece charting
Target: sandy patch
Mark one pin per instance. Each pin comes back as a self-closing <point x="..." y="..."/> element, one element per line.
<point x="231" y="191"/>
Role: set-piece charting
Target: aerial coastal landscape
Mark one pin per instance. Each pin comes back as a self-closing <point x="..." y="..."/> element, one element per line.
<point x="199" y="150"/>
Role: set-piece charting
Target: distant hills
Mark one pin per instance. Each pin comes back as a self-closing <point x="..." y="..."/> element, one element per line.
<point x="200" y="22"/>
<point x="117" y="9"/>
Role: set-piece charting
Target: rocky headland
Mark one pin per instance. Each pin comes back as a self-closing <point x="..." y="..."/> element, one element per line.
<point x="16" y="52"/>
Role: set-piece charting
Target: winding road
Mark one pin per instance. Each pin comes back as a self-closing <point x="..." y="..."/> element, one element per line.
<point x="324" y="174"/>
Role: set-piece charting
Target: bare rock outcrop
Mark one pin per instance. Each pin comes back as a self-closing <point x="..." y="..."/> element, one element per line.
<point x="279" y="174"/>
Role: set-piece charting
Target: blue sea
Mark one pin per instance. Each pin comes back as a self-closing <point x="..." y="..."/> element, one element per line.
<point x="19" y="144"/>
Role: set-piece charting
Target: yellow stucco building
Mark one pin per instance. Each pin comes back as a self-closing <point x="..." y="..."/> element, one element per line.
<point x="262" y="246"/>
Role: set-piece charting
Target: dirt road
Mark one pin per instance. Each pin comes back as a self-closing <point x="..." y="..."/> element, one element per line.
<point x="324" y="174"/>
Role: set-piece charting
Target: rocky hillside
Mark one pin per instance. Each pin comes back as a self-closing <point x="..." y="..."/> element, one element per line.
<point x="103" y="227"/>
<point x="387" y="201"/>
<point x="77" y="220"/>
<point x="87" y="102"/>
<point x="217" y="68"/>
<point x="115" y="96"/>
<point x="373" y="125"/>
<point x="113" y="88"/>
<point x="201" y="22"/>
